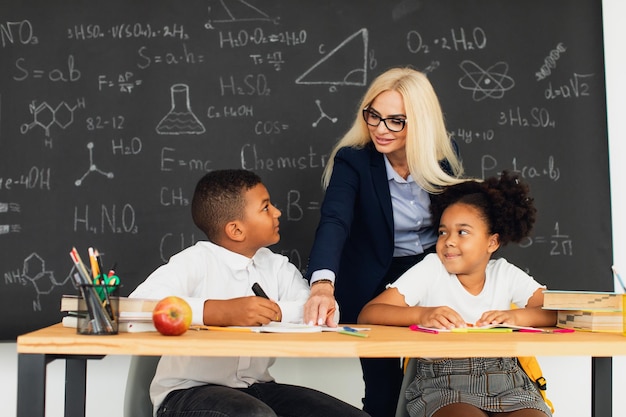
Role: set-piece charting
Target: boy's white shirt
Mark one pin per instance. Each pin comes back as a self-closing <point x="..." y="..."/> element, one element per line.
<point x="208" y="271"/>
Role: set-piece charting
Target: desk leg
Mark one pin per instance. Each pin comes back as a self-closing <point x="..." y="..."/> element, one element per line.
<point x="601" y="387"/>
<point x="31" y="385"/>
<point x="75" y="386"/>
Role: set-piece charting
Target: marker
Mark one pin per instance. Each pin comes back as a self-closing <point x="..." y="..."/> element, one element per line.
<point x="112" y="270"/>
<point x="561" y="331"/>
<point x="619" y="278"/>
<point x="490" y="330"/>
<point x="417" y="328"/>
<point x="100" y="267"/>
<point x="107" y="287"/>
<point x="258" y="291"/>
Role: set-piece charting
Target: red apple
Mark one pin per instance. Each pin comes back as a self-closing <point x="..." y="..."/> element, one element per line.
<point x="172" y="316"/>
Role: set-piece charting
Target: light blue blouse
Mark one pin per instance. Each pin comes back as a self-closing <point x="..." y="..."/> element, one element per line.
<point x="411" y="216"/>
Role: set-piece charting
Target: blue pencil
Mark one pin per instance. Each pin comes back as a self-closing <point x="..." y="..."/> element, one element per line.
<point x="619" y="278"/>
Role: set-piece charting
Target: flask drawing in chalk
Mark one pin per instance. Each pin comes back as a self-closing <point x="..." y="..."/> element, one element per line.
<point x="180" y="119"/>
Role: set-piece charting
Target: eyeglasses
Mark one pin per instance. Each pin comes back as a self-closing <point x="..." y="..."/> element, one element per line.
<point x="393" y="124"/>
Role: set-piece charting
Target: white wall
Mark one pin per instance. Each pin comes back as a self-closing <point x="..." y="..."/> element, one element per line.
<point x="569" y="384"/>
<point x="615" y="56"/>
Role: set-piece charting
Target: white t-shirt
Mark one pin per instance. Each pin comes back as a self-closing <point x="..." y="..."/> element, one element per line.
<point x="208" y="271"/>
<point x="428" y="284"/>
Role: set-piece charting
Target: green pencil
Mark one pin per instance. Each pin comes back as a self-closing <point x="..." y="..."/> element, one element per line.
<point x="357" y="334"/>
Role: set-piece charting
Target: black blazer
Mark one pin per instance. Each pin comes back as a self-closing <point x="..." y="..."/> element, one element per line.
<point x="355" y="235"/>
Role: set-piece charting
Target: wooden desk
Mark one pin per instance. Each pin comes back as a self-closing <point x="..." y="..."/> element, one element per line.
<point x="38" y="348"/>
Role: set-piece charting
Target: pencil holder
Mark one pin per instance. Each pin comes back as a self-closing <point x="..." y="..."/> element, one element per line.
<point x="98" y="309"/>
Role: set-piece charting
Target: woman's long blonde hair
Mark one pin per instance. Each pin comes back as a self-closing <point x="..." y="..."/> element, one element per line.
<point x="427" y="141"/>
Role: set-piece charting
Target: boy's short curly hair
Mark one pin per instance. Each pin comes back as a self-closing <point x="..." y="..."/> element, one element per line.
<point x="219" y="199"/>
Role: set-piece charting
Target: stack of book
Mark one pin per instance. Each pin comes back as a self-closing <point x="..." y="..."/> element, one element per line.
<point x="593" y="321"/>
<point x="586" y="310"/>
<point x="135" y="314"/>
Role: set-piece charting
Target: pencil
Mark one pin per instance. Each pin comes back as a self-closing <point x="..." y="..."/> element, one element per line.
<point x="95" y="271"/>
<point x="351" y="333"/>
<point x="223" y="329"/>
<point x="619" y="278"/>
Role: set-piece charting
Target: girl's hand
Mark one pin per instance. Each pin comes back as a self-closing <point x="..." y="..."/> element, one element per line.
<point x="497" y="317"/>
<point x="442" y="317"/>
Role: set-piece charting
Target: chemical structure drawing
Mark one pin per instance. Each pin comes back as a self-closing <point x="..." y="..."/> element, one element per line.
<point x="34" y="271"/>
<point x="236" y="11"/>
<point x="92" y="168"/>
<point x="45" y="116"/>
<point x="490" y="83"/>
<point x="323" y="115"/>
<point x="349" y="60"/>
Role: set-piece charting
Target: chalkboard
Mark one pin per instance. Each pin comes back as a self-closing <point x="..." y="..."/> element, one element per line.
<point x="111" y="111"/>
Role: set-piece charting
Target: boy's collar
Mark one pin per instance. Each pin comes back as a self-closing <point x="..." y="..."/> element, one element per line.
<point x="235" y="260"/>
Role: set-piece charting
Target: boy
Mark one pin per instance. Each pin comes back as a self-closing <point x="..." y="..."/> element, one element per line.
<point x="233" y="209"/>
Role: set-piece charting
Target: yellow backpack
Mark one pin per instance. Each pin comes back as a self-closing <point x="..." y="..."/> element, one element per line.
<point x="530" y="365"/>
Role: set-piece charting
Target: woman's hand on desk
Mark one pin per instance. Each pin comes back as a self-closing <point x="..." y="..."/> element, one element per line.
<point x="320" y="307"/>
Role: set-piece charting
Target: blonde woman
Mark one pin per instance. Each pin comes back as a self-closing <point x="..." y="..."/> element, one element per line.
<point x="375" y="221"/>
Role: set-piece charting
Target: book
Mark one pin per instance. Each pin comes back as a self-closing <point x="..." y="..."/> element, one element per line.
<point x="124" y="326"/>
<point x="495" y="328"/>
<point x="272" y="327"/>
<point x="280" y="327"/>
<point x="70" y="303"/>
<point x="136" y="326"/>
<point x="582" y="300"/>
<point x="590" y="320"/>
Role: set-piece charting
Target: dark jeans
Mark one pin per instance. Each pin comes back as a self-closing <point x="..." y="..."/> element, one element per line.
<point x="268" y="399"/>
<point x="383" y="376"/>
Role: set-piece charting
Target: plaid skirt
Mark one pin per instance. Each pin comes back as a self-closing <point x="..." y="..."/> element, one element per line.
<point x="491" y="384"/>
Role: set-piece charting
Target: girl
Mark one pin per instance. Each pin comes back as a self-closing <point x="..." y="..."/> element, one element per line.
<point x="461" y="284"/>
